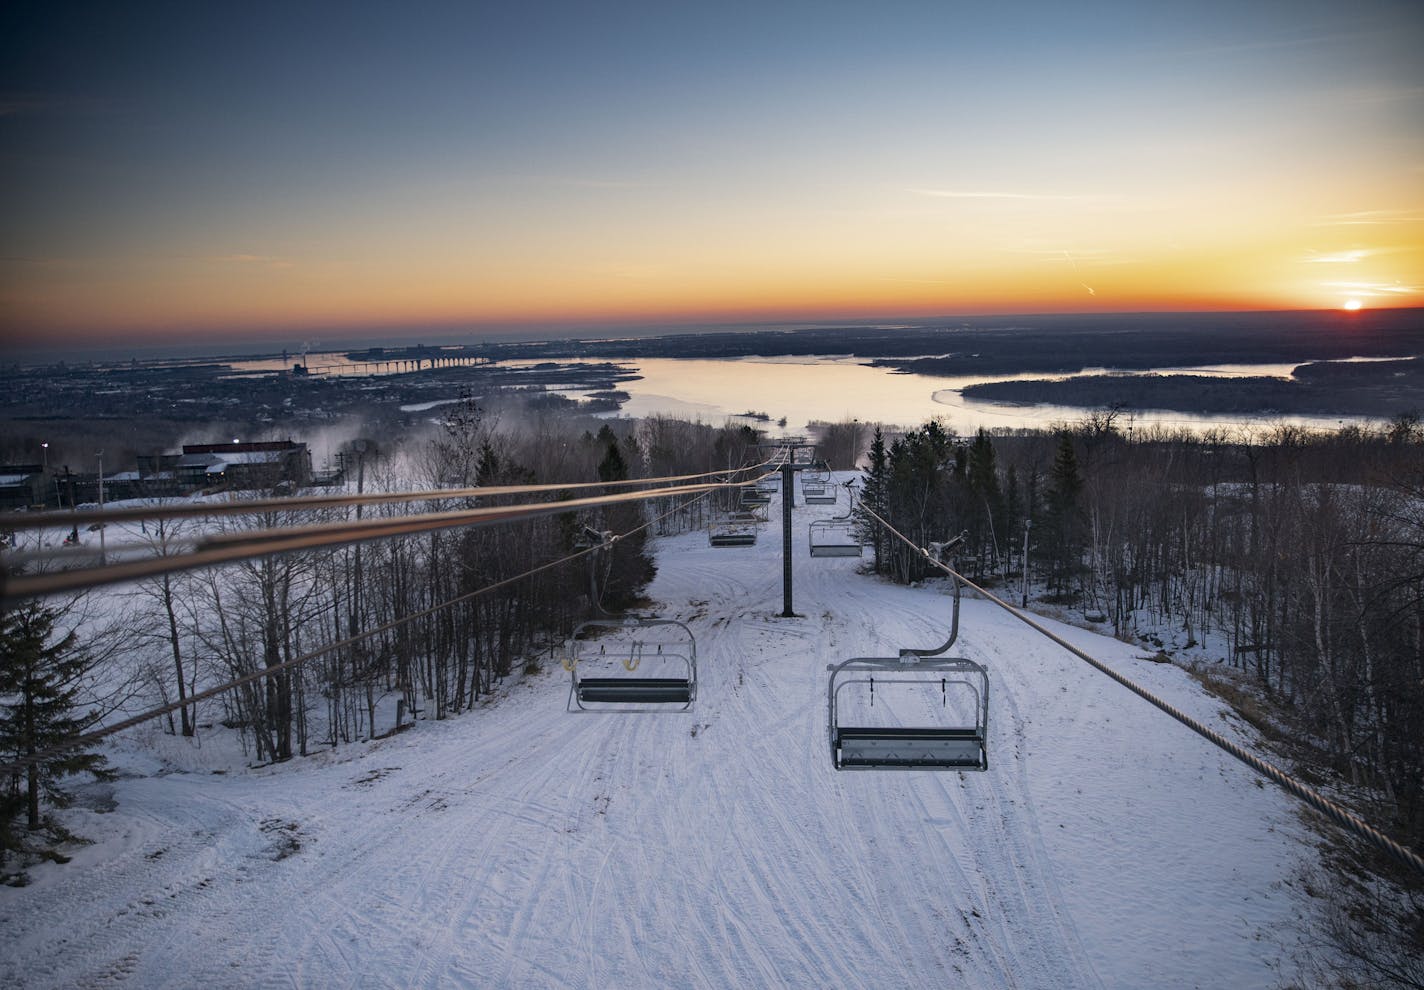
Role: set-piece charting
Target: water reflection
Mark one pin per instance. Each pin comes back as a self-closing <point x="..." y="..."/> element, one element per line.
<point x="838" y="387"/>
<point x="802" y="391"/>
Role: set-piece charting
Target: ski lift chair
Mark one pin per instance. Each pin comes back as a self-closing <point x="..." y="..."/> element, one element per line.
<point x="612" y="671"/>
<point x="834" y="538"/>
<point x="733" y="532"/>
<point x="959" y="742"/>
<point x="822" y="495"/>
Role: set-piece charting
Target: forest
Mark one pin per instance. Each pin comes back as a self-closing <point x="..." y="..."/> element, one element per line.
<point x="1301" y="552"/>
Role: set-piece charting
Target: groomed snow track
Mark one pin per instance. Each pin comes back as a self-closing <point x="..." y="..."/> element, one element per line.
<point x="521" y="845"/>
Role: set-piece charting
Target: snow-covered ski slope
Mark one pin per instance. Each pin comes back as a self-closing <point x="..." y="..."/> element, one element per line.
<point x="525" y="846"/>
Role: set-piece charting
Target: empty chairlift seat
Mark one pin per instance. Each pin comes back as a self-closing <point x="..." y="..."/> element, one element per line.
<point x="834" y="538"/>
<point x="901" y="733"/>
<point x="735" y="530"/>
<point x="638" y="664"/>
<point x="957" y="742"/>
<point x="819" y="494"/>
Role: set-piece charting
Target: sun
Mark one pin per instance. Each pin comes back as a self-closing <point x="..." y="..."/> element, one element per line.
<point x="1351" y="304"/>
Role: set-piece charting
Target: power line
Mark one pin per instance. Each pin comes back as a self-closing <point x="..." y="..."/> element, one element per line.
<point x="89" y="738"/>
<point x="1310" y="796"/>
<point x="233" y="547"/>
<point x="38" y="520"/>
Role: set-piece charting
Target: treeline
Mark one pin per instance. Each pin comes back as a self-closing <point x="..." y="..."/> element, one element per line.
<point x="475" y="618"/>
<point x="262" y="613"/>
<point x="1301" y="553"/>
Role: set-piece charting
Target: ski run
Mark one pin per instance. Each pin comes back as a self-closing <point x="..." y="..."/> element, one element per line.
<point x="521" y="845"/>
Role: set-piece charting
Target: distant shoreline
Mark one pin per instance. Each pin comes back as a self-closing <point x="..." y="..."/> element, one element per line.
<point x="1375" y="389"/>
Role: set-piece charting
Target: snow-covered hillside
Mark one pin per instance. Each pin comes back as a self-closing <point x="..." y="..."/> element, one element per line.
<point x="525" y="846"/>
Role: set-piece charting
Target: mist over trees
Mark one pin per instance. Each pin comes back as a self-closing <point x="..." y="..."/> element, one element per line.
<point x="476" y="620"/>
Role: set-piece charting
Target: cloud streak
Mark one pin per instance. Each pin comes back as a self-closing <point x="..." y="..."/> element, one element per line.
<point x="996" y="194"/>
<point x="1339" y="257"/>
<point x="1370" y="218"/>
<point x="266" y="260"/>
<point x="1377" y="288"/>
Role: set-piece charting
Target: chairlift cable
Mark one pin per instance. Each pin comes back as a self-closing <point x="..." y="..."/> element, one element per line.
<point x="1319" y="802"/>
<point x="66" y="519"/>
<point x="232" y="547"/>
<point x="88" y="738"/>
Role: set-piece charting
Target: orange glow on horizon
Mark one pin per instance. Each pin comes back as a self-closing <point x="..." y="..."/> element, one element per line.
<point x="648" y="277"/>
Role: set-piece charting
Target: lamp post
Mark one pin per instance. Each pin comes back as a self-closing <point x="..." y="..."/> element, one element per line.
<point x="1027" y="523"/>
<point x="102" y="559"/>
<point x="44" y="471"/>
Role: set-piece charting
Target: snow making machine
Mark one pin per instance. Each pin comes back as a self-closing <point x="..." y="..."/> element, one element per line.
<point x="903" y="735"/>
<point x="631" y="665"/>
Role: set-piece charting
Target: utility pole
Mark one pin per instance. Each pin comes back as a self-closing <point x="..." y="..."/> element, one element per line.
<point x="1027" y="524"/>
<point x="102" y="559"/>
<point x="74" y="530"/>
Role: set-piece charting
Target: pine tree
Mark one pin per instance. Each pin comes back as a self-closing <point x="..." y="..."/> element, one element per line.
<point x="41" y="677"/>
<point x="612" y="467"/>
<point x="984" y="515"/>
<point x="873" y="497"/>
<point x="1063" y="543"/>
<point x="628" y="566"/>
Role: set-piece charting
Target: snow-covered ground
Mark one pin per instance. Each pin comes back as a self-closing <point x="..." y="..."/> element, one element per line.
<point x="521" y="845"/>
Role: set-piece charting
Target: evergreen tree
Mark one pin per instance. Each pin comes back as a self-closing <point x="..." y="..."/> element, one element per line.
<point x="984" y="514"/>
<point x="612" y="467"/>
<point x="873" y="497"/>
<point x="41" y="677"/>
<point x="1062" y="543"/>
<point x="627" y="567"/>
<point x="1013" y="515"/>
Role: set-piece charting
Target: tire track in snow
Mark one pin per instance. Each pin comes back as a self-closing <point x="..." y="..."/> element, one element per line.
<point x="523" y="846"/>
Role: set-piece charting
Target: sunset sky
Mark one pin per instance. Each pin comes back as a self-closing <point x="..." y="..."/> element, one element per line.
<point x="188" y="170"/>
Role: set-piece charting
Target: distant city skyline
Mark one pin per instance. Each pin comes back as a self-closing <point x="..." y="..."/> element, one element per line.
<point x="181" y="173"/>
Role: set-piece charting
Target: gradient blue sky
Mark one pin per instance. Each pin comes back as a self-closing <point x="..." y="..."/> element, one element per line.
<point x="181" y="169"/>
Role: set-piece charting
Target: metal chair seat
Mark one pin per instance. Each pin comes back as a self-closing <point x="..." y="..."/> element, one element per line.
<point x="635" y="690"/>
<point x="836" y="550"/>
<point x="949" y="748"/>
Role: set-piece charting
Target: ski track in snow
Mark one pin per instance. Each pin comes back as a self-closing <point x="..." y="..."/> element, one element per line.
<point x="521" y="845"/>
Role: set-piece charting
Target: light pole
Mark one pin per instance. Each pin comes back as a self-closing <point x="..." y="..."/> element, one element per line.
<point x="44" y="471"/>
<point x="1027" y="523"/>
<point x="102" y="559"/>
